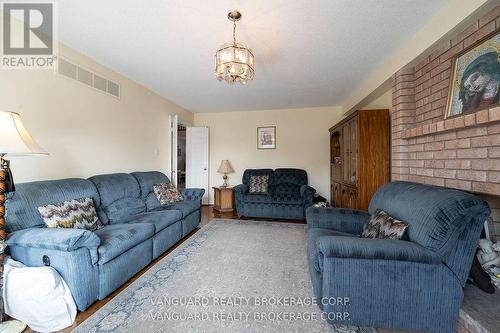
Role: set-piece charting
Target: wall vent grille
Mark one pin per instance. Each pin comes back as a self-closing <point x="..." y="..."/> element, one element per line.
<point x="75" y="72"/>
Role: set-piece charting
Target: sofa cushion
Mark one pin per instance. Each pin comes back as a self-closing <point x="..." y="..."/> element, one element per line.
<point x="146" y="181"/>
<point x="120" y="195"/>
<point x="159" y="219"/>
<point x="21" y="205"/>
<point x="76" y="213"/>
<point x="276" y="198"/>
<point x="259" y="184"/>
<point x="118" y="238"/>
<point x="185" y="207"/>
<point x="257" y="172"/>
<point x="286" y="188"/>
<point x="258" y="198"/>
<point x="383" y="226"/>
<point x="287" y="198"/>
<point x="116" y="186"/>
<point x="167" y="193"/>
<point x="436" y="215"/>
<point x="313" y="236"/>
<point x="123" y="208"/>
<point x="289" y="180"/>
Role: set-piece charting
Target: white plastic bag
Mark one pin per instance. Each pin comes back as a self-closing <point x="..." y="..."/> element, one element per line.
<point x="38" y="296"/>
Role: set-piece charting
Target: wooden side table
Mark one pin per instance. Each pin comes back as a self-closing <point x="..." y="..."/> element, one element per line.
<point x="224" y="199"/>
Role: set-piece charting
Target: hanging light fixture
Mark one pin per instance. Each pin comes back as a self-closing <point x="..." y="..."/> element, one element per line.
<point x="234" y="61"/>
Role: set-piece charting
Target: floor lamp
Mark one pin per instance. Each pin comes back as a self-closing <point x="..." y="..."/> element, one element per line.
<point x="14" y="141"/>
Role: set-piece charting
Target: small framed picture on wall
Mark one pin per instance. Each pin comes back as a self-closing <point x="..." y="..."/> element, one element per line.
<point x="266" y="137"/>
<point x="475" y="77"/>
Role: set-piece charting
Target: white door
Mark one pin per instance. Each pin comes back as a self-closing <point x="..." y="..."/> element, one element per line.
<point x="197" y="159"/>
<point x="174" y="121"/>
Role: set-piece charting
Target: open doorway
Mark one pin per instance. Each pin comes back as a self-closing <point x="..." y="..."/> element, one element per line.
<point x="181" y="156"/>
<point x="179" y="151"/>
<point x="189" y="157"/>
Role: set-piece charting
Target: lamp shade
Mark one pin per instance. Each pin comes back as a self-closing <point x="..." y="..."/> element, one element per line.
<point x="14" y="138"/>
<point x="225" y="167"/>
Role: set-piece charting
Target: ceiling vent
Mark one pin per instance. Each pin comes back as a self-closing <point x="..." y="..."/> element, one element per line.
<point x="75" y="72"/>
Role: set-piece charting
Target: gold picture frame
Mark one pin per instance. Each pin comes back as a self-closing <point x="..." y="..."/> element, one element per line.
<point x="266" y="137"/>
<point x="475" y="78"/>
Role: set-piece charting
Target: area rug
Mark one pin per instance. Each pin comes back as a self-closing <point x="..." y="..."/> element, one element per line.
<point x="231" y="276"/>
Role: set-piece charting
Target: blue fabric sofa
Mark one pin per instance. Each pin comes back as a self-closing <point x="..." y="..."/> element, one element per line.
<point x="94" y="264"/>
<point x="414" y="284"/>
<point x="287" y="198"/>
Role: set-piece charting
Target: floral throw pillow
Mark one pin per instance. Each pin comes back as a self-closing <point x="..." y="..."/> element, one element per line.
<point x="382" y="225"/>
<point x="167" y="193"/>
<point x="76" y="213"/>
<point x="258" y="184"/>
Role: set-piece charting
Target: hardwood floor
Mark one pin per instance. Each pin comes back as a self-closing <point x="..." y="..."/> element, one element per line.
<point x="207" y="214"/>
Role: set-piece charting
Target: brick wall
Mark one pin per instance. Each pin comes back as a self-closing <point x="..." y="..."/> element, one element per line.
<point x="461" y="152"/>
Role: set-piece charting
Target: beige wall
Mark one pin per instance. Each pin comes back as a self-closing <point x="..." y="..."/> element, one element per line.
<point x="302" y="142"/>
<point x="85" y="131"/>
<point x="384" y="101"/>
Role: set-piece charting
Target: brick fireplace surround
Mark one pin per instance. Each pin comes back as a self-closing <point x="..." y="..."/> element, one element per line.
<point x="461" y="152"/>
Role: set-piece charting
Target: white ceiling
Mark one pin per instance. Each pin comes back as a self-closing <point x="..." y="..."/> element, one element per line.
<point x="308" y="52"/>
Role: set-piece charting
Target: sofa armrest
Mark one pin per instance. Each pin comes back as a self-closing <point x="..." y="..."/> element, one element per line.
<point x="368" y="248"/>
<point x="78" y="268"/>
<point x="239" y="192"/>
<point x="307" y="194"/>
<point x="192" y="193"/>
<point x="345" y="220"/>
<point x="62" y="239"/>
<point x="240" y="189"/>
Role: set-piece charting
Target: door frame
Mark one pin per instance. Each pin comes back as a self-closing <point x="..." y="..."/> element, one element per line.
<point x="174" y="121"/>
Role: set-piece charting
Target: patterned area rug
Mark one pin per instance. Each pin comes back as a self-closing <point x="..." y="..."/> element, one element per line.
<point x="231" y="276"/>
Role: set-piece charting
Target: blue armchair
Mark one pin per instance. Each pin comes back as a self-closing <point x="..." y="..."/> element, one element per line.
<point x="288" y="195"/>
<point x="414" y="284"/>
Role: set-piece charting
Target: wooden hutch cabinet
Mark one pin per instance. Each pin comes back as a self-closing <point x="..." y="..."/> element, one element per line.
<point x="359" y="158"/>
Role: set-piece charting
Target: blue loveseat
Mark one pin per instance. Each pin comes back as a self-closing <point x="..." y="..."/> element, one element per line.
<point x="94" y="264"/>
<point x="288" y="194"/>
<point x="414" y="284"/>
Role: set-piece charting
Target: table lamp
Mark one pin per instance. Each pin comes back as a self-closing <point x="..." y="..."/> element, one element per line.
<point x="14" y="141"/>
<point x="225" y="168"/>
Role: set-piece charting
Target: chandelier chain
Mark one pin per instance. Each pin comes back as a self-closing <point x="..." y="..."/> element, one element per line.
<point x="234" y="32"/>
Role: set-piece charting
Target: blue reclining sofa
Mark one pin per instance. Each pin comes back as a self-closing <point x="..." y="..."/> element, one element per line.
<point x="94" y="264"/>
<point x="414" y="284"/>
<point x="288" y="194"/>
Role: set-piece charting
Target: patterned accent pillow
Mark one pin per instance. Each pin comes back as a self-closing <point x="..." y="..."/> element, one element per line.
<point x="258" y="184"/>
<point x="382" y="225"/>
<point x="166" y="193"/>
<point x="76" y="213"/>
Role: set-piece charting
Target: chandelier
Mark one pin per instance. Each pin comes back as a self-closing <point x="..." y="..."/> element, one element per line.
<point x="234" y="61"/>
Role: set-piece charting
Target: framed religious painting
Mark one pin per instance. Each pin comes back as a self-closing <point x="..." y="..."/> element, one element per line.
<point x="475" y="77"/>
<point x="266" y="137"/>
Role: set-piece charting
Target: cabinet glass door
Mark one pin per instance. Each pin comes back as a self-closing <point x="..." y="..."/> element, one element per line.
<point x="353" y="151"/>
<point x="336" y="155"/>
<point x="346" y="151"/>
